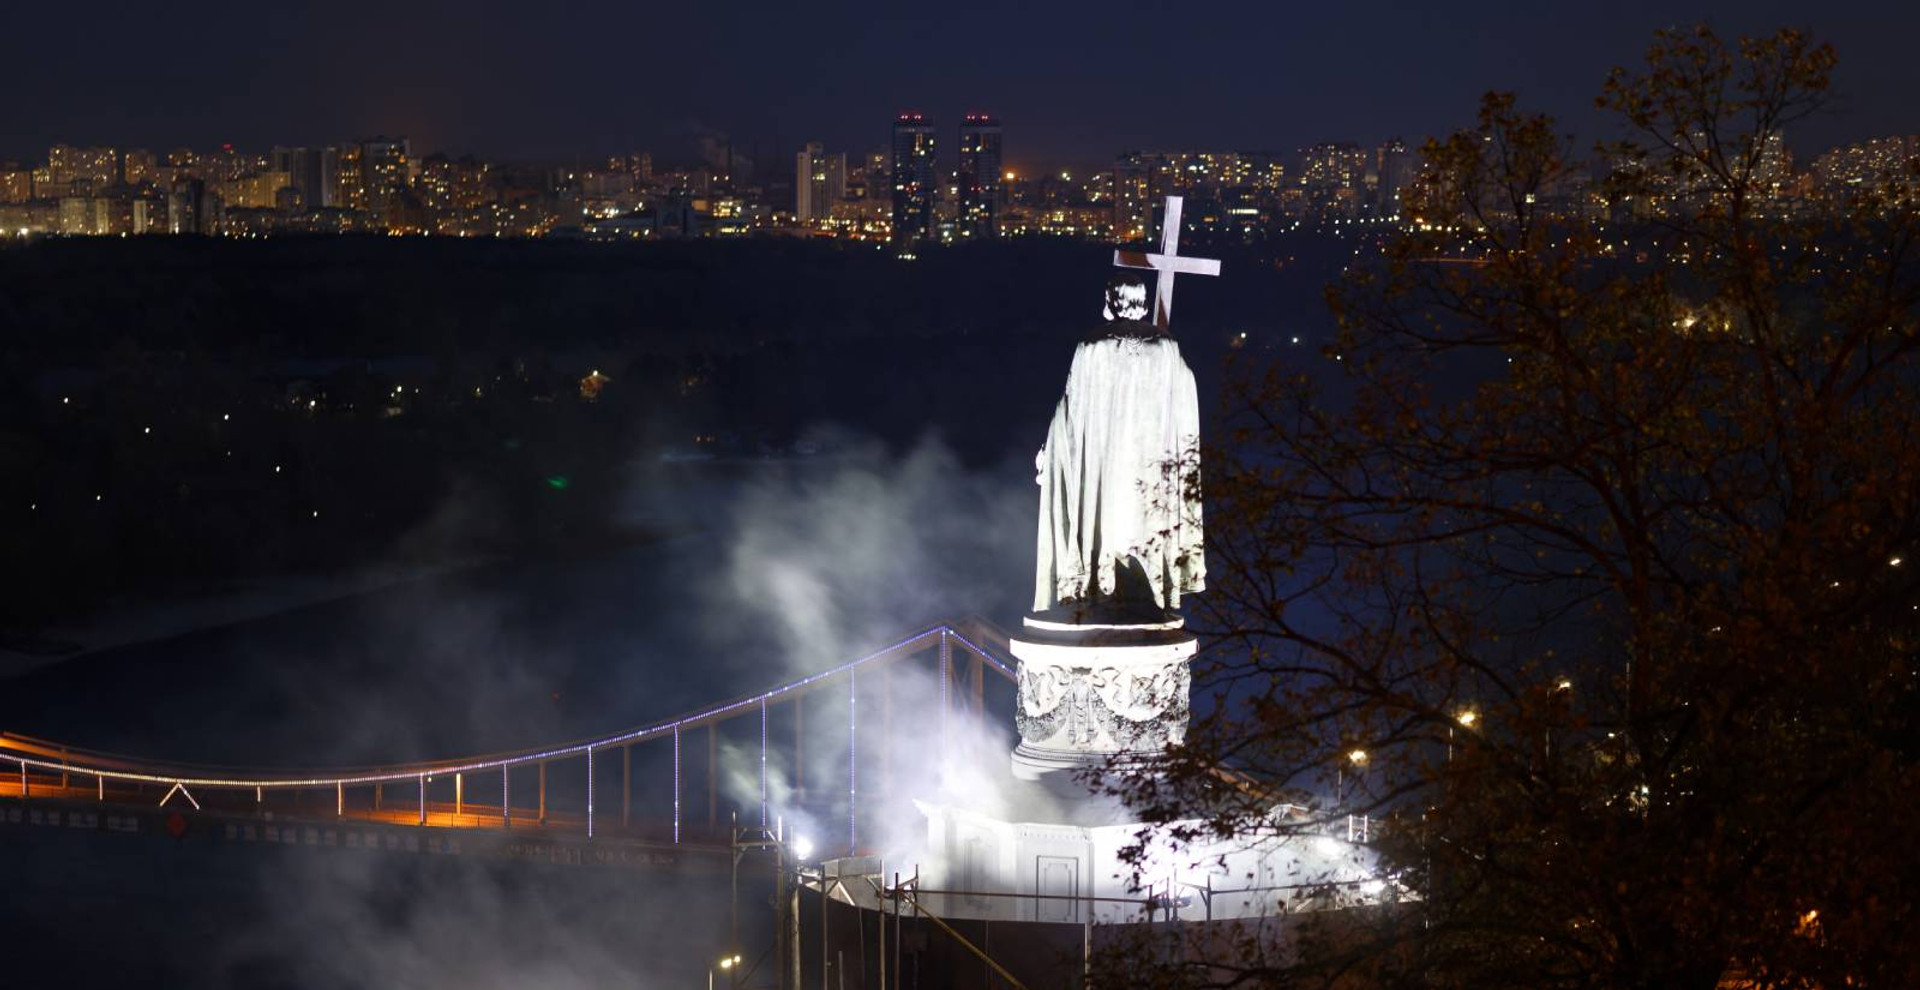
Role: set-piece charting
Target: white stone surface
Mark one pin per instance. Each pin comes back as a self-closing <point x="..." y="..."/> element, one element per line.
<point x="1114" y="475"/>
<point x="1081" y="704"/>
<point x="996" y="868"/>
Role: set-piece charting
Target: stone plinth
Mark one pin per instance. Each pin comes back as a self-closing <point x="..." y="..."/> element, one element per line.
<point x="1076" y="872"/>
<point x="1094" y="691"/>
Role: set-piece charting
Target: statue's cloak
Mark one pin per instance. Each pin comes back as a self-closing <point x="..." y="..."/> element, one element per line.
<point x="1119" y="475"/>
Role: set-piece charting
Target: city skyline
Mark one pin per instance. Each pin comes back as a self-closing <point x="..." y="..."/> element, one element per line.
<point x="910" y="194"/>
<point x="499" y="86"/>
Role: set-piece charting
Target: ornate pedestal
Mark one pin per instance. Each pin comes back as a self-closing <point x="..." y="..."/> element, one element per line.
<point x="1093" y="692"/>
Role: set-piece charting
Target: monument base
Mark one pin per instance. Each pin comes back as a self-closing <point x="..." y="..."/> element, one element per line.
<point x="1098" y="690"/>
<point x="1105" y="690"/>
<point x="987" y="867"/>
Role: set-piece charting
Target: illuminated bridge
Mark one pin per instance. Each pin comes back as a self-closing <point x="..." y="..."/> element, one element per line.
<point x="589" y="812"/>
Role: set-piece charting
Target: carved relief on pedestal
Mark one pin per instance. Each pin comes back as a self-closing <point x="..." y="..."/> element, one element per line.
<point x="1102" y="709"/>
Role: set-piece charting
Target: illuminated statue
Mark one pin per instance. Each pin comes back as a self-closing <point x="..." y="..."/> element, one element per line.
<point x="1104" y="655"/>
<point x="1119" y="499"/>
<point x="1104" y="664"/>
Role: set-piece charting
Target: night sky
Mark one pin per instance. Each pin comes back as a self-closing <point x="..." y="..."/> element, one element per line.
<point x="1074" y="82"/>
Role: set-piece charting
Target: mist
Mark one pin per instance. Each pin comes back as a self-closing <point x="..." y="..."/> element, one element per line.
<point x="811" y="563"/>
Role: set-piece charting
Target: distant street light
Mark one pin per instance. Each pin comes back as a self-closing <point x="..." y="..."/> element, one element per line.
<point x="1358" y="758"/>
<point x="1466" y="718"/>
<point x="728" y="963"/>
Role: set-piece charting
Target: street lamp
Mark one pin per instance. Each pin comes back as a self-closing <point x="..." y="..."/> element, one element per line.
<point x="1358" y="759"/>
<point x="728" y="963"/>
<point x="1466" y="717"/>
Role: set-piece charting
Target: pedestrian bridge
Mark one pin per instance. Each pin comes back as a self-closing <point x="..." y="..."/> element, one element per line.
<point x="580" y="791"/>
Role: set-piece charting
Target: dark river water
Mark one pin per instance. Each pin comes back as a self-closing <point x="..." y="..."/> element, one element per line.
<point x="760" y="571"/>
<point x="763" y="571"/>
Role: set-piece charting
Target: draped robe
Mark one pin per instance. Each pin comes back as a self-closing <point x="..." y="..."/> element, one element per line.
<point x="1115" y="474"/>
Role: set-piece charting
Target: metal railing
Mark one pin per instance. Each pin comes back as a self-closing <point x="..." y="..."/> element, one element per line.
<point x="30" y="754"/>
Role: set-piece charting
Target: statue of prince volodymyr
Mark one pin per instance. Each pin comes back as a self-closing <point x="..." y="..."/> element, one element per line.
<point x="1120" y="518"/>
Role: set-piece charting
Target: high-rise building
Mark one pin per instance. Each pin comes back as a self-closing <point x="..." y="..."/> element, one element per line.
<point x="1132" y="200"/>
<point x="809" y="168"/>
<point x="878" y="178"/>
<point x="1396" y="174"/>
<point x="979" y="178"/>
<point x="81" y="171"/>
<point x="16" y="183"/>
<point x="191" y="209"/>
<point x="1333" y="177"/>
<point x="140" y="167"/>
<point x="83" y="215"/>
<point x="256" y="191"/>
<point x="184" y="163"/>
<point x="349" y="180"/>
<point x="1882" y="166"/>
<point x="311" y="172"/>
<point x="456" y="194"/>
<point x="228" y="163"/>
<point x="147" y="211"/>
<point x="819" y="181"/>
<point x="383" y="167"/>
<point x="1774" y="171"/>
<point x="915" y="186"/>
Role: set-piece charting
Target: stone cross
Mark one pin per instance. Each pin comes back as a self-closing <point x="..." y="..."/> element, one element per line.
<point x="1168" y="263"/>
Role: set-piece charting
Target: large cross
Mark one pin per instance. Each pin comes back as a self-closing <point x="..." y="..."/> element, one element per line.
<point x="1168" y="263"/>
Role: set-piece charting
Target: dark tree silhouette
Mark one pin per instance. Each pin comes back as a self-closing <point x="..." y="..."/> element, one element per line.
<point x="1593" y="579"/>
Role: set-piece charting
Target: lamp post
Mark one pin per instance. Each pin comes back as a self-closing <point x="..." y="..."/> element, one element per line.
<point x="1467" y="718"/>
<point x="1355" y="757"/>
<point x="1562" y="692"/>
<point x="727" y="964"/>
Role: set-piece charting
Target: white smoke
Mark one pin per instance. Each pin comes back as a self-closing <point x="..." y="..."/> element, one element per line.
<point x="838" y="559"/>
